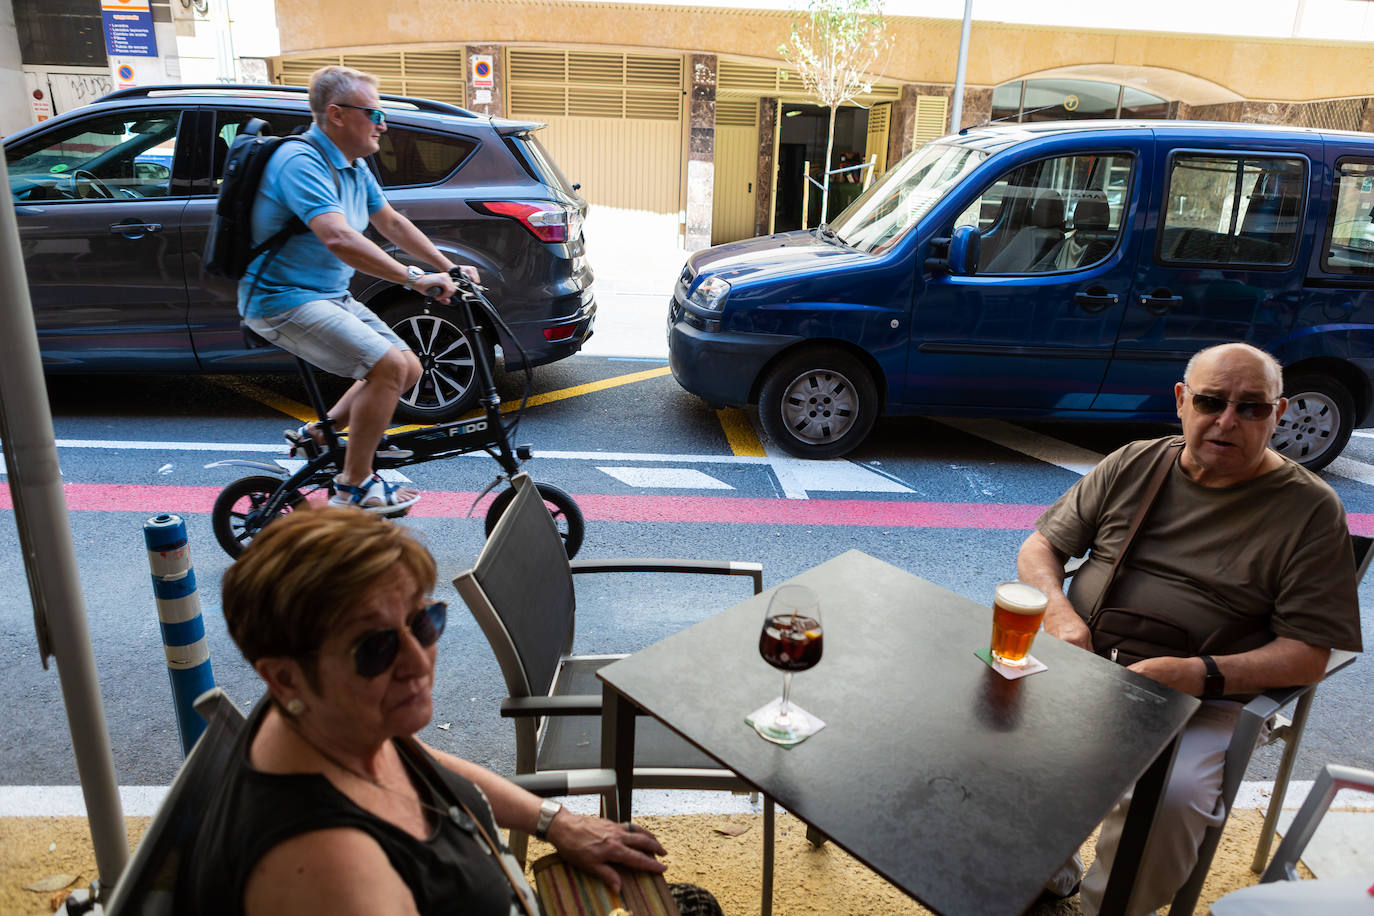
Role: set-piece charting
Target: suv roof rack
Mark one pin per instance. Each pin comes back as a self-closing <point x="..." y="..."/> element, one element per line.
<point x="136" y="92"/>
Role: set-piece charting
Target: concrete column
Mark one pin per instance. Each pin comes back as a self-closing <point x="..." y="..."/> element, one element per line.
<point x="902" y="126"/>
<point x="977" y="106"/>
<point x="15" y="107"/>
<point x="1367" y="121"/>
<point x="701" y="150"/>
<point x="497" y="106"/>
<point x="763" y="179"/>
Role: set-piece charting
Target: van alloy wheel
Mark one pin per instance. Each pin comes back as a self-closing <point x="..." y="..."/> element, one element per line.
<point x="1317" y="424"/>
<point x="818" y="403"/>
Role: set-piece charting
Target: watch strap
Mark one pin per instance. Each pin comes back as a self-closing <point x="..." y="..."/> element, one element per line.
<point x="1213" y="682"/>
<point x="548" y="810"/>
<point x="413" y="273"/>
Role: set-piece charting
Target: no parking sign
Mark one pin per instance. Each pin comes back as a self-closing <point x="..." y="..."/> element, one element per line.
<point x="483" y="75"/>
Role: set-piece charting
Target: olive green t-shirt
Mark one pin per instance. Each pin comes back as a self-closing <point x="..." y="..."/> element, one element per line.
<point x="1276" y="546"/>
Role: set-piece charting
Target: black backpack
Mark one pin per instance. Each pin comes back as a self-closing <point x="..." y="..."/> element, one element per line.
<point x="230" y="249"/>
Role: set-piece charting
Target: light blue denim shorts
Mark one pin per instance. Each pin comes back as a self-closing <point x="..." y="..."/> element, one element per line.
<point x="340" y="336"/>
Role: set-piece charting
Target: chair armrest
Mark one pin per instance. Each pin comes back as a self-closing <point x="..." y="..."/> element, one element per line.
<point x="1274" y="699"/>
<point x="572" y="705"/>
<point x="705" y="567"/>
<point x="1330" y="780"/>
<point x="565" y="782"/>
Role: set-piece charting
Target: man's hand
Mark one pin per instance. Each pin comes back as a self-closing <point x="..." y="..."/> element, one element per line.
<point x="1183" y="674"/>
<point x="1063" y="622"/>
<point x="438" y="286"/>
<point x="590" y="843"/>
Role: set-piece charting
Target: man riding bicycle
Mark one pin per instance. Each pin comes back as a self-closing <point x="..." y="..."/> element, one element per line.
<point x="298" y="298"/>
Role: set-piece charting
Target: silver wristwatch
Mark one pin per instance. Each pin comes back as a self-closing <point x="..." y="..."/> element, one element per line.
<point x="548" y="810"/>
<point x="413" y="273"/>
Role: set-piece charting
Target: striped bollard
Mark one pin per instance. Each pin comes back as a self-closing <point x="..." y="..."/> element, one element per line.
<point x="183" y="630"/>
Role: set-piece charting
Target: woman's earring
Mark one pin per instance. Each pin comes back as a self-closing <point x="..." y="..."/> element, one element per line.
<point x="295" y="706"/>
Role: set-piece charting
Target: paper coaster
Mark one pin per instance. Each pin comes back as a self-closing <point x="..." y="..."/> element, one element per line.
<point x="1033" y="665"/>
<point x="807" y="722"/>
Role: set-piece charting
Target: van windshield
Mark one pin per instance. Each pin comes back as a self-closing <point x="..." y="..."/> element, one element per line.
<point x="895" y="203"/>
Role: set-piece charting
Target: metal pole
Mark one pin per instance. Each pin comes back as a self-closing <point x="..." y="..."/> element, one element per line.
<point x="183" y="629"/>
<point x="40" y="514"/>
<point x="956" y="113"/>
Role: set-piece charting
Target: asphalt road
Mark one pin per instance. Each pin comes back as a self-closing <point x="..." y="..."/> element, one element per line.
<point x="654" y="469"/>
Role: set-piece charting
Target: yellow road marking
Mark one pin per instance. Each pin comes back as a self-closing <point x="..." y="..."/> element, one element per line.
<point x="305" y="414"/>
<point x="739" y="433"/>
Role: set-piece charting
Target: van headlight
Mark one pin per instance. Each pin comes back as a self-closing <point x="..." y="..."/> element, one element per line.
<point x="710" y="294"/>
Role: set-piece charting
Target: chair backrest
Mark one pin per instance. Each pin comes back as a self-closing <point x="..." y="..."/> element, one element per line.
<point x="148" y="884"/>
<point x="521" y="593"/>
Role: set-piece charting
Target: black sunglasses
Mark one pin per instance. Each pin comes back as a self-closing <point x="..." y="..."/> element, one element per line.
<point x="375" y="115"/>
<point x="375" y="652"/>
<point x="1246" y="410"/>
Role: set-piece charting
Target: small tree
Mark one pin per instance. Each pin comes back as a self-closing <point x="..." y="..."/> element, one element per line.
<point x="834" y="47"/>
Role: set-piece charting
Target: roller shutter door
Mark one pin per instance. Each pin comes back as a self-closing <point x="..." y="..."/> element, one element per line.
<point x="736" y="170"/>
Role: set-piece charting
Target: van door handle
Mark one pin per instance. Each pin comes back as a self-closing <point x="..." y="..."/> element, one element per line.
<point x="134" y="230"/>
<point x="1095" y="299"/>
<point x="1160" y="302"/>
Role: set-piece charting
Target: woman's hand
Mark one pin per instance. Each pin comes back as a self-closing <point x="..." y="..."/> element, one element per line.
<point x="591" y="843"/>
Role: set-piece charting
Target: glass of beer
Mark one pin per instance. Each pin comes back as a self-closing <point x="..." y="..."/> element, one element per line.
<point x="1017" y="609"/>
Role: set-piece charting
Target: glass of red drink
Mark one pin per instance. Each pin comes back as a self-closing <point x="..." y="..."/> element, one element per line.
<point x="791" y="640"/>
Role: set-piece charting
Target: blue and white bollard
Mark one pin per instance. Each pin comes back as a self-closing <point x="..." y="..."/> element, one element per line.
<point x="183" y="630"/>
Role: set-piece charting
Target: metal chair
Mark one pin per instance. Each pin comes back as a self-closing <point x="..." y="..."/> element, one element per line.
<point x="149" y="883"/>
<point x="1266" y="709"/>
<point x="1325" y="895"/>
<point x="521" y="593"/>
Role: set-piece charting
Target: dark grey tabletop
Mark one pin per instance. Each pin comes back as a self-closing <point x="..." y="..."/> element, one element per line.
<point x="962" y="788"/>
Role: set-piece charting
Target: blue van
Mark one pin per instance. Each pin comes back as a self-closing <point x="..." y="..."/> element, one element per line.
<point x="1052" y="270"/>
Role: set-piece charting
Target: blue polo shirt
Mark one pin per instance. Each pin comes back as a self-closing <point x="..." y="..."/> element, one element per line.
<point x="297" y="181"/>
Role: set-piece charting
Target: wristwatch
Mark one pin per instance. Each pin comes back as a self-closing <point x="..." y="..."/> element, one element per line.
<point x="548" y="810"/>
<point x="1213" y="682"/>
<point x="413" y="273"/>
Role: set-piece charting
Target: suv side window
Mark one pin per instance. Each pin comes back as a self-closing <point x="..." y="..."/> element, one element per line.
<point x="1222" y="209"/>
<point x="120" y="156"/>
<point x="1051" y="215"/>
<point x="412" y="157"/>
<point x="228" y="123"/>
<point x="1350" y="235"/>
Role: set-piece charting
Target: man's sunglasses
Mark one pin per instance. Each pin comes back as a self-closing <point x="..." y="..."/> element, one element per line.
<point x="375" y="115"/>
<point x="375" y="652"/>
<point x="1246" y="410"/>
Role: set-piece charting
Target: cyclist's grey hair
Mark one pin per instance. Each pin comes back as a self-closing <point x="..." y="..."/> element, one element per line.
<point x="1273" y="368"/>
<point x="334" y="86"/>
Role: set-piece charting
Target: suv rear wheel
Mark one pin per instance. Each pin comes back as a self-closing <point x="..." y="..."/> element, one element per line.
<point x="448" y="380"/>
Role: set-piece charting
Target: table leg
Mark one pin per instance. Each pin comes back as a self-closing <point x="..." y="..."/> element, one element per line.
<point x="618" y="749"/>
<point x="1135" y="834"/>
<point x="768" y="819"/>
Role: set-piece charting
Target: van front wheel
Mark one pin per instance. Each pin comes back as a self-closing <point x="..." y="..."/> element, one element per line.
<point x="1318" y="422"/>
<point x="818" y="403"/>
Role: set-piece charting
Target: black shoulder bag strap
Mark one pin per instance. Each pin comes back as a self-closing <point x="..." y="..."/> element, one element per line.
<point x="1163" y="465"/>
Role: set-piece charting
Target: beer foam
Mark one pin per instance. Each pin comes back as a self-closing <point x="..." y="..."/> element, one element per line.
<point x="1020" y="598"/>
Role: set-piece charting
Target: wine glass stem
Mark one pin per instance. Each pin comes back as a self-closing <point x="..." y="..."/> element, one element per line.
<point x="785" y="708"/>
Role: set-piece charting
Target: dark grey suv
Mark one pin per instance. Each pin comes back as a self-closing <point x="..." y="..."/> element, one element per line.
<point x="114" y="201"/>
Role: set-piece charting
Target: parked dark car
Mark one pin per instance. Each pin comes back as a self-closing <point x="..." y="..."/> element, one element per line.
<point x="1053" y="270"/>
<point x="114" y="200"/>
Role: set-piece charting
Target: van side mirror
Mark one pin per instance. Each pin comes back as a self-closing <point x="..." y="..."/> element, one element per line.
<point x="958" y="254"/>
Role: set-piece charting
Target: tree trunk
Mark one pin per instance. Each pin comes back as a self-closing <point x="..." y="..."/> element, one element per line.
<point x="825" y="189"/>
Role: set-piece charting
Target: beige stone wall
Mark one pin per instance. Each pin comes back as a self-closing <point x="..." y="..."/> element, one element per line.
<point x="924" y="50"/>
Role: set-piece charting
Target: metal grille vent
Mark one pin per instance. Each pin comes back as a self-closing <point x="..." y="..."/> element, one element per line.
<point x="737" y="113"/>
<point x="434" y="75"/>
<point x="546" y="83"/>
<point x="930" y="118"/>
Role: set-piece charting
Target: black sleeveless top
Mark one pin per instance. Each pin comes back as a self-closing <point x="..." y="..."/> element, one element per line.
<point x="252" y="811"/>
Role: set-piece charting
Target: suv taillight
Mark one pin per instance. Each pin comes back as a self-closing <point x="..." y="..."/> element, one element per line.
<point x="546" y="220"/>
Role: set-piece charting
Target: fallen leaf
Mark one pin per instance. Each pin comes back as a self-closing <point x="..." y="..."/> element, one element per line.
<point x="731" y="829"/>
<point x="50" y="883"/>
<point x="444" y="726"/>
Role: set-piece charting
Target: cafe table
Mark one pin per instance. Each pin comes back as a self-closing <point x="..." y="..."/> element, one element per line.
<point x="962" y="788"/>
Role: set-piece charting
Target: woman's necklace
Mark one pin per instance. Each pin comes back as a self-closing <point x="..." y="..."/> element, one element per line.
<point x="458" y="813"/>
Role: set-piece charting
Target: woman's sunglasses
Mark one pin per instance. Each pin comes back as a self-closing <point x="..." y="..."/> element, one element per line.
<point x="375" y="652"/>
<point x="1246" y="410"/>
<point x="375" y="115"/>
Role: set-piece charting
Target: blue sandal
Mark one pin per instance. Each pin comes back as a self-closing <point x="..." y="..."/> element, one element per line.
<point x="374" y="488"/>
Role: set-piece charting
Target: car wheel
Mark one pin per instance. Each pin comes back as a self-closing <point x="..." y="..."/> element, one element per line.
<point x="567" y="515"/>
<point x="818" y="403"/>
<point x="1317" y="424"/>
<point x="448" y="370"/>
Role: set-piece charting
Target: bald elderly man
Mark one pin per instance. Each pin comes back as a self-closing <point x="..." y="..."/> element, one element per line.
<point x="1238" y="537"/>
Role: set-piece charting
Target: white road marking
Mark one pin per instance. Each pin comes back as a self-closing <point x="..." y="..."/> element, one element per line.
<point x="1351" y="469"/>
<point x="1035" y="445"/>
<point x="666" y="478"/>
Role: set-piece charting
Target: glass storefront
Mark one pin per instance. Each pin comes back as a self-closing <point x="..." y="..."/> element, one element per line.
<point x="1061" y="99"/>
